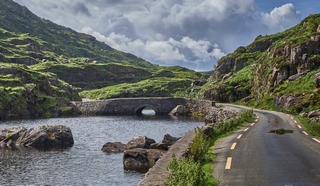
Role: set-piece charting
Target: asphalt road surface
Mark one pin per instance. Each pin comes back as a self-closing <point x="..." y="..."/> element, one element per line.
<point x="254" y="155"/>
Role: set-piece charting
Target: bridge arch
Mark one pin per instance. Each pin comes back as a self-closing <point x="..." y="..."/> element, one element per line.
<point x="140" y="108"/>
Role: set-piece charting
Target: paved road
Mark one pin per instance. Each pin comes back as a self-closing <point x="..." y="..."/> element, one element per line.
<point x="254" y="156"/>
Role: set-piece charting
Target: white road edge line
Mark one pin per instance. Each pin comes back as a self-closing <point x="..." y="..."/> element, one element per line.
<point x="239" y="136"/>
<point x="291" y="117"/>
<point x="305" y="133"/>
<point x="233" y="146"/>
<point x="316" y="140"/>
<point x="294" y="121"/>
<point x="252" y="124"/>
<point x="228" y="164"/>
<point x="299" y="127"/>
<point x="256" y="120"/>
<point x="245" y="130"/>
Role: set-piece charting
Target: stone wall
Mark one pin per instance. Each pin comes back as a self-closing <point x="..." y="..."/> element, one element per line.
<point x="134" y="106"/>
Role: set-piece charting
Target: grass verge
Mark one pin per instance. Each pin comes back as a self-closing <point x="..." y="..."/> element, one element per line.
<point x="196" y="168"/>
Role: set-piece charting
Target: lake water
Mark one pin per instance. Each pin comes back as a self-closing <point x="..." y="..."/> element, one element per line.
<point x="84" y="163"/>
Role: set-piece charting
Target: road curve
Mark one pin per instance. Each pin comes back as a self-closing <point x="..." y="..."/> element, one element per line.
<point x="254" y="156"/>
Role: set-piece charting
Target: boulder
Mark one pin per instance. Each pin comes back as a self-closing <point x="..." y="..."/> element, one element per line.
<point x="314" y="113"/>
<point x="216" y="115"/>
<point x="140" y="142"/>
<point x="296" y="76"/>
<point x="227" y="76"/>
<point x="317" y="80"/>
<point x="179" y="110"/>
<point x="166" y="142"/>
<point x="42" y="136"/>
<point x="113" y="147"/>
<point x="318" y="29"/>
<point x="315" y="119"/>
<point x="141" y="160"/>
<point x="207" y="130"/>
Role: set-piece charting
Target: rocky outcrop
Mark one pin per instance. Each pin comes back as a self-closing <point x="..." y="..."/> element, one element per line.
<point x="217" y="115"/>
<point x="113" y="147"/>
<point x="296" y="76"/>
<point x="30" y="94"/>
<point x="284" y="102"/>
<point x="317" y="80"/>
<point x="294" y="102"/>
<point x="314" y="116"/>
<point x="141" y="153"/>
<point x="140" y="142"/>
<point x="225" y="93"/>
<point x="42" y="136"/>
<point x="141" y="160"/>
<point x="180" y="110"/>
<point x="166" y="142"/>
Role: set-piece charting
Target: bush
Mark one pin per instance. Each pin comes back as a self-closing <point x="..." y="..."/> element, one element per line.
<point x="185" y="172"/>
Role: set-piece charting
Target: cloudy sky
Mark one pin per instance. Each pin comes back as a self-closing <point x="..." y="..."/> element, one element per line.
<point x="189" y="33"/>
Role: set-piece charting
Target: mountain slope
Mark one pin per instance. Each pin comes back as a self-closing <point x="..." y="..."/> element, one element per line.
<point x="43" y="66"/>
<point x="61" y="40"/>
<point x="275" y="71"/>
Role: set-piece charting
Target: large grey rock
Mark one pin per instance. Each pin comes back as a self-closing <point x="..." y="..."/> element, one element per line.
<point x="42" y="136"/>
<point x="318" y="29"/>
<point x="179" y="110"/>
<point x="140" y="142"/>
<point x="166" y="142"/>
<point x="113" y="147"/>
<point x="317" y="80"/>
<point x="216" y="115"/>
<point x="314" y="113"/>
<point x="141" y="160"/>
<point x="296" y="76"/>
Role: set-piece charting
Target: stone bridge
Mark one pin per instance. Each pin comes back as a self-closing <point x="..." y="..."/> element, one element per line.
<point x="135" y="106"/>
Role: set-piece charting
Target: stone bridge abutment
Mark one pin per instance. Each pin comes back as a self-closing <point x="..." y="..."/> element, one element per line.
<point x="135" y="106"/>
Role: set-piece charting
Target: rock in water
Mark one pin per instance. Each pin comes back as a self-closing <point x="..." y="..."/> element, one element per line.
<point x="41" y="136"/>
<point x="141" y="159"/>
<point x="113" y="147"/>
<point x="140" y="142"/>
<point x="166" y="142"/>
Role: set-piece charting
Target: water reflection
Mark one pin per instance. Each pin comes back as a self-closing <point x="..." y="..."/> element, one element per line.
<point x="84" y="163"/>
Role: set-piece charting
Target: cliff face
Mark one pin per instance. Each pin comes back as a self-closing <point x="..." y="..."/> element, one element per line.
<point x="279" y="68"/>
<point x="27" y="94"/>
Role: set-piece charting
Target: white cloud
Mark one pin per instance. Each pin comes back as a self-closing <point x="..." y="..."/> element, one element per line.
<point x="280" y="18"/>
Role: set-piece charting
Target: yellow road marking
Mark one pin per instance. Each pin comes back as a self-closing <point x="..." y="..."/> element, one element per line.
<point x="252" y="124"/>
<point x="246" y="129"/>
<point x="305" y="133"/>
<point x="299" y="126"/>
<point x="228" y="164"/>
<point x="233" y="146"/>
<point x="239" y="136"/>
<point x="316" y="140"/>
<point x="295" y="121"/>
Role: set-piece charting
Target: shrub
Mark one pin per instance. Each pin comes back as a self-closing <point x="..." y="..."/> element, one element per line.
<point x="185" y="172"/>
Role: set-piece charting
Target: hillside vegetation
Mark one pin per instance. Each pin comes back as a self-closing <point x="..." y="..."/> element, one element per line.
<point x="43" y="66"/>
<point x="276" y="71"/>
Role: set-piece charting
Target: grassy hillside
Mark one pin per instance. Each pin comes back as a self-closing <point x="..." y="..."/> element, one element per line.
<point x="274" y="72"/>
<point x="63" y="43"/>
<point x="55" y="63"/>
